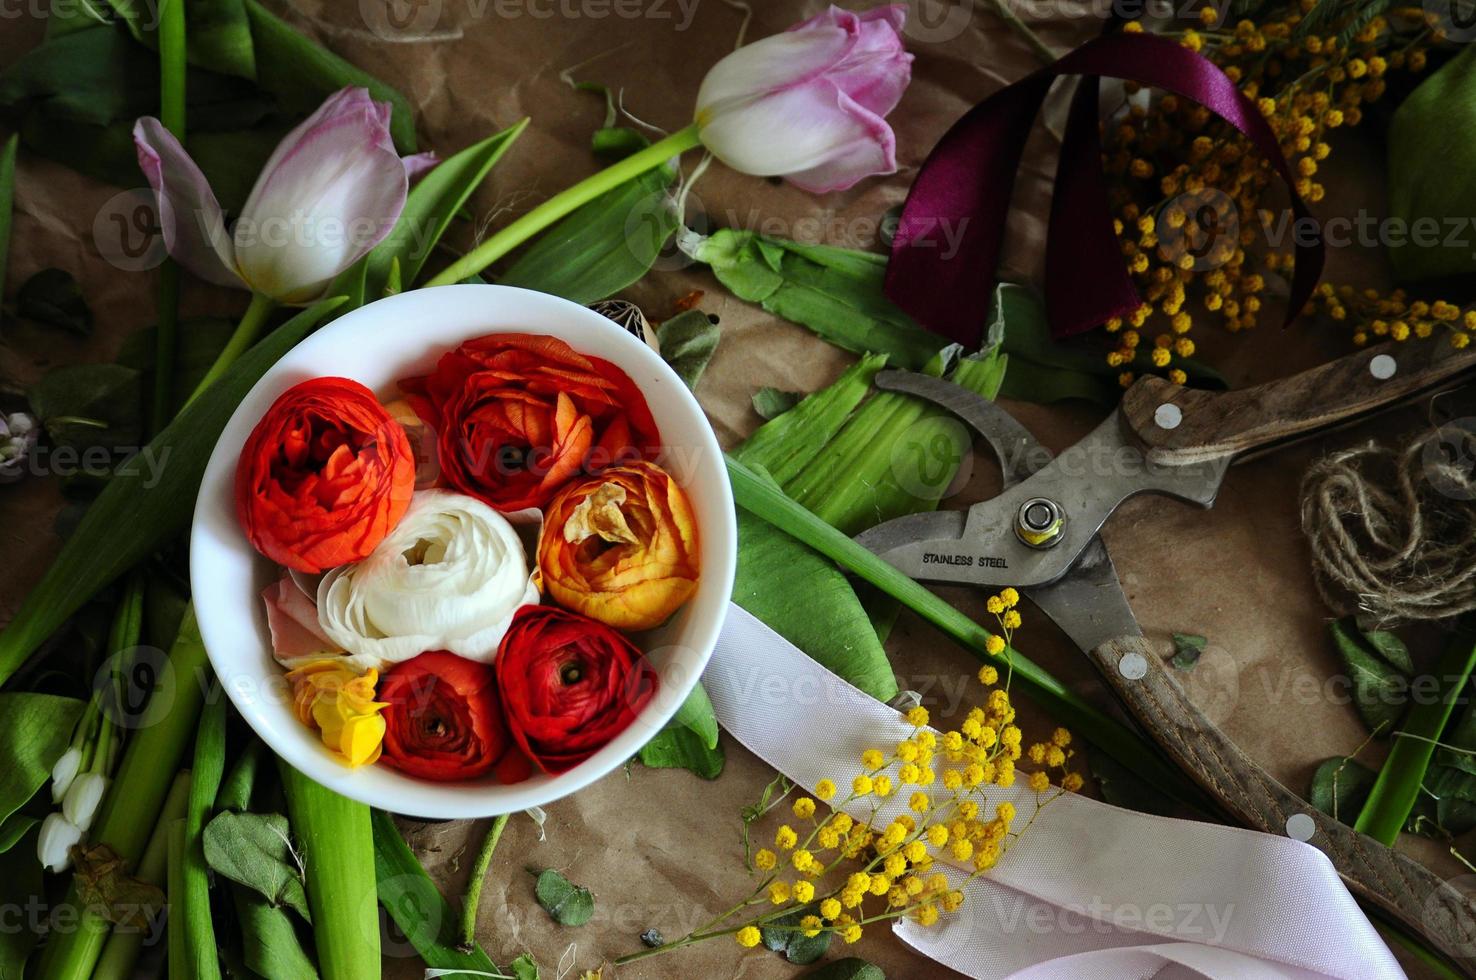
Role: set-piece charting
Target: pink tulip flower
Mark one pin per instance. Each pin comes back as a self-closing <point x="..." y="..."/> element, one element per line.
<point x="810" y="104"/>
<point x="332" y="190"/>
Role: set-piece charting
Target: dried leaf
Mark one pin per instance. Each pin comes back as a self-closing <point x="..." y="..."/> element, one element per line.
<point x="103" y="883"/>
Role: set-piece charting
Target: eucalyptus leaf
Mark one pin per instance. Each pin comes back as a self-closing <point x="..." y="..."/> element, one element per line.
<point x="1380" y="690"/>
<point x="255" y="850"/>
<point x="53" y="297"/>
<point x="675" y="747"/>
<point x="688" y="341"/>
<point x="37" y="730"/>
<point x="139" y="508"/>
<point x="524" y="968"/>
<point x="850" y="968"/>
<point x="1188" y="648"/>
<point x="602" y="247"/>
<point x="270" y="945"/>
<point x="1388" y="645"/>
<point x="1340" y="787"/>
<point x="85" y="405"/>
<point x="219" y="34"/>
<point x="696" y="714"/>
<point x="784" y="935"/>
<point x="568" y="904"/>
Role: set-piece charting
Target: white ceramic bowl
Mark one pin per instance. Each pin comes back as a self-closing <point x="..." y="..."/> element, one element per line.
<point x="377" y="345"/>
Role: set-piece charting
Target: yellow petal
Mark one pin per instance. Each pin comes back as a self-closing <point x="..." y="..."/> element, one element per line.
<point x="600" y="514"/>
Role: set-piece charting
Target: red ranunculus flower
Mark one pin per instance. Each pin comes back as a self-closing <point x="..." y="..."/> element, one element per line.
<point x="324" y="476"/>
<point x="519" y="415"/>
<point x="569" y="684"/>
<point x="442" y="719"/>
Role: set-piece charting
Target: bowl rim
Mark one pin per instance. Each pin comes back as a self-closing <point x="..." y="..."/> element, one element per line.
<point x="454" y="800"/>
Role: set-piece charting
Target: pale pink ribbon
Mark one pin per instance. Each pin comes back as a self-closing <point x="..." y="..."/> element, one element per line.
<point x="1090" y="891"/>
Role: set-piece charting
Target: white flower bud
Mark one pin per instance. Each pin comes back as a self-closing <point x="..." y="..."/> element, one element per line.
<point x="79" y="806"/>
<point x="63" y="772"/>
<point x="54" y="845"/>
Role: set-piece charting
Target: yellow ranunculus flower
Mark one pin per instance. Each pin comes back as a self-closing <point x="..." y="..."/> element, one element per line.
<point x="331" y="697"/>
<point x="621" y="547"/>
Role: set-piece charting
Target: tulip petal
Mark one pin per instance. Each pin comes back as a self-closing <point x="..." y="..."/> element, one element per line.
<point x="771" y="64"/>
<point x="189" y="215"/>
<point x="877" y="70"/>
<point x="332" y="190"/>
<point x="817" y="136"/>
<point x="418" y="163"/>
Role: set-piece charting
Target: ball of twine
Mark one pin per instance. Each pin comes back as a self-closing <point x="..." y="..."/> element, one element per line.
<point x="1396" y="529"/>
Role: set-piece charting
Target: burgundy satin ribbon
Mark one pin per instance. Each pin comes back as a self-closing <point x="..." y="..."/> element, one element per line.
<point x="946" y="249"/>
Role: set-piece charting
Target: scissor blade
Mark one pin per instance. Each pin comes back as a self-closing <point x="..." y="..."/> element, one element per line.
<point x="912" y="543"/>
<point x="1088" y="603"/>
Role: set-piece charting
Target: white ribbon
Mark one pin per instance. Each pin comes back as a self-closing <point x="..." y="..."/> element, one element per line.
<point x="1090" y="891"/>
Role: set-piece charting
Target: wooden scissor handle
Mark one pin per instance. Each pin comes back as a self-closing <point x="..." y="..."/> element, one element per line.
<point x="1180" y="425"/>
<point x="1408" y="891"/>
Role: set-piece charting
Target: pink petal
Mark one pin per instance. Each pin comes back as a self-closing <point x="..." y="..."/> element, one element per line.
<point x="418" y="163"/>
<point x="292" y="618"/>
<point x="189" y="215"/>
<point x="331" y="191"/>
<point x="773" y="63"/>
<point x="878" y="69"/>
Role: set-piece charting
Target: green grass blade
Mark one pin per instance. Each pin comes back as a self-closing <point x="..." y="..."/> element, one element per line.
<point x="7" y="201"/>
<point x="205" y="775"/>
<point x="145" y="504"/>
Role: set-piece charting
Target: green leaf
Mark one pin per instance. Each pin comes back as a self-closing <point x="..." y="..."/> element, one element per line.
<point x="1379" y="689"/>
<point x="770" y="403"/>
<point x="417" y="906"/>
<point x="697" y="715"/>
<point x="13" y="828"/>
<point x="804" y="598"/>
<point x="603" y="246"/>
<point x="7" y="200"/>
<point x="682" y="748"/>
<point x="783" y="935"/>
<point x="269" y="940"/>
<point x="139" y="509"/>
<point x="568" y="904"/>
<point x="53" y="297"/>
<point x="1389" y="646"/>
<point x="835" y="292"/>
<point x="850" y="968"/>
<point x="1340" y="787"/>
<point x="1428" y="156"/>
<point x="1187" y="650"/>
<point x="24" y="888"/>
<point x="254" y="849"/>
<point x="688" y="341"/>
<point x="37" y="730"/>
<point x="429" y="209"/>
<point x="524" y="968"/>
<point x="85" y="405"/>
<point x="197" y="345"/>
<point x="219" y="35"/>
<point x="302" y="73"/>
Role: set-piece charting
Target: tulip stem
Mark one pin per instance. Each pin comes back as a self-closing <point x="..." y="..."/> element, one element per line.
<point x="564" y="202"/>
<point x="241" y="340"/>
<point x="474" y="884"/>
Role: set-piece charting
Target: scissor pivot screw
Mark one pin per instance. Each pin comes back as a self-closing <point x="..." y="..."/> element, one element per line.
<point x="1039" y="522"/>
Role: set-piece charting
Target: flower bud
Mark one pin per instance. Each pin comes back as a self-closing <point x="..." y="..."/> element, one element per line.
<point x="63" y="772"/>
<point x="54" y="845"/>
<point x="79" y="805"/>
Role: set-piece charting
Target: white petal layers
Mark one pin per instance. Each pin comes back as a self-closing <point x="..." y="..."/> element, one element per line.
<point x="449" y="577"/>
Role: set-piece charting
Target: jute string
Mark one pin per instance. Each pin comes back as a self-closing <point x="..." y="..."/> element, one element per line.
<point x="1396" y="529"/>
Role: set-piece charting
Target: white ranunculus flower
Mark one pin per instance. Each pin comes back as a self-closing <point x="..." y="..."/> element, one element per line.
<point x="448" y="577"/>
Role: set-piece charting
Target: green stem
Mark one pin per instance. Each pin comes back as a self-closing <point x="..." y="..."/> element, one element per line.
<point x="205" y="777"/>
<point x="1397" y="788"/>
<point x="172" y="115"/>
<point x="564" y="202"/>
<point x="244" y="336"/>
<point x="123" y="946"/>
<point x="1012" y="20"/>
<point x="764" y="500"/>
<point x="474" y="884"/>
<point x="130" y="811"/>
<point x="179" y="962"/>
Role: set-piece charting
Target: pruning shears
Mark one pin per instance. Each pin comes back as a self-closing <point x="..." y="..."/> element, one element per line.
<point x="1040" y="534"/>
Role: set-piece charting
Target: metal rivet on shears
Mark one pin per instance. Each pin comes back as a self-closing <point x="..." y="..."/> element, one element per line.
<point x="1133" y="666"/>
<point x="1301" y="826"/>
<point x="1168" y="416"/>
<point x="1383" y="367"/>
<point x="1039" y="522"/>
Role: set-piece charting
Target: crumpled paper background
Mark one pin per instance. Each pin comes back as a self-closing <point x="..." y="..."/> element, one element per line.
<point x="661" y="848"/>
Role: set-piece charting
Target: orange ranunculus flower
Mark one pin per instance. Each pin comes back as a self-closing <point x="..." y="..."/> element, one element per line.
<point x="621" y="547"/>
